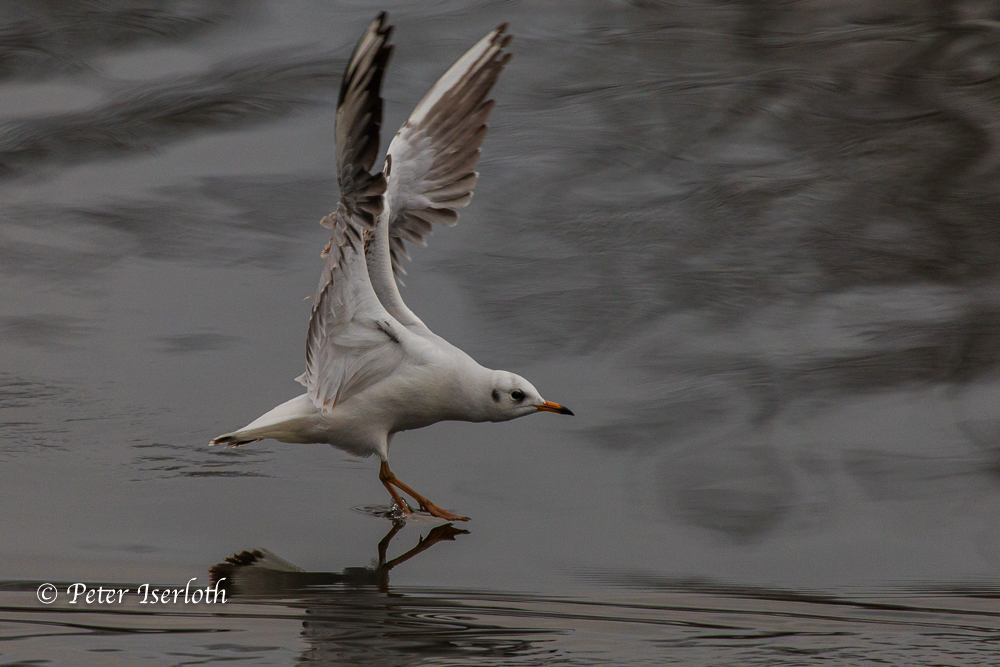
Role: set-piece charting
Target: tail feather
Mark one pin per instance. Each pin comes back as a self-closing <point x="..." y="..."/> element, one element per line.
<point x="232" y="440"/>
<point x="289" y="422"/>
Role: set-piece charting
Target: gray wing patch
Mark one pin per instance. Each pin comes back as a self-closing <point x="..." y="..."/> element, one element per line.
<point x="351" y="344"/>
<point x="430" y="162"/>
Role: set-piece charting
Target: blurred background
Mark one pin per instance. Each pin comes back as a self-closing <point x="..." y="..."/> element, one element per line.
<point x="752" y="244"/>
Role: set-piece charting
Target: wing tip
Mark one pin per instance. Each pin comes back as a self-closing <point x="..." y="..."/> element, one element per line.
<point x="378" y="25"/>
<point x="500" y="38"/>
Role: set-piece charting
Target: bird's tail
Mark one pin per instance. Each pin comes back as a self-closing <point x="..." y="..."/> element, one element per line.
<point x="232" y="440"/>
<point x="288" y="423"/>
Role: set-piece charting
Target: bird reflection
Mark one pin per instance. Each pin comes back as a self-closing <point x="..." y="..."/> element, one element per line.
<point x="351" y="617"/>
<point x="260" y="573"/>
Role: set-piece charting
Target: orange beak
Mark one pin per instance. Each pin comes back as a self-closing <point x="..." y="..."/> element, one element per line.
<point x="549" y="406"/>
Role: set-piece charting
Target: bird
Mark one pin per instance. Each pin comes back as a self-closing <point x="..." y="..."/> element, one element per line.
<point x="373" y="368"/>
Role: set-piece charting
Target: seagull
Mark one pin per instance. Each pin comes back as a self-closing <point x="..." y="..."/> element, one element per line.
<point x="373" y="368"/>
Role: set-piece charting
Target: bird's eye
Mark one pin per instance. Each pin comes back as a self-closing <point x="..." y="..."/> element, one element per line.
<point x="517" y="395"/>
<point x="496" y="395"/>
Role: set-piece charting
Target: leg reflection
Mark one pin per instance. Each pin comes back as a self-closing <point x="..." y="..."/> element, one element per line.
<point x="261" y="573"/>
<point x="445" y="532"/>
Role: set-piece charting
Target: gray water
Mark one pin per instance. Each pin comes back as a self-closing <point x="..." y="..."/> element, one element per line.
<point x="753" y="245"/>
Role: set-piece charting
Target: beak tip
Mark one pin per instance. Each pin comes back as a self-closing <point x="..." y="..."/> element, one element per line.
<point x="549" y="406"/>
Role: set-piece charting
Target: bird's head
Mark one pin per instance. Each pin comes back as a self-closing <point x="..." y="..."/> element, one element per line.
<point x="511" y="396"/>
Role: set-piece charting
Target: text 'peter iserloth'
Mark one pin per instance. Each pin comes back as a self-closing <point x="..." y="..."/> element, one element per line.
<point x="81" y="593"/>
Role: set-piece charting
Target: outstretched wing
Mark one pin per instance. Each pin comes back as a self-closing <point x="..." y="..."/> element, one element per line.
<point x="357" y="133"/>
<point x="429" y="166"/>
<point x="352" y="341"/>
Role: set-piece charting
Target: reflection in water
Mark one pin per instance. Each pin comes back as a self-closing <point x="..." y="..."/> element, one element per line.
<point x="770" y="227"/>
<point x="259" y="573"/>
<point x="344" y="618"/>
<point x="351" y="617"/>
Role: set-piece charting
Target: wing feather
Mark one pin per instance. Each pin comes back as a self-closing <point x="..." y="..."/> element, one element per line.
<point x="430" y="162"/>
<point x="357" y="132"/>
<point x="352" y="342"/>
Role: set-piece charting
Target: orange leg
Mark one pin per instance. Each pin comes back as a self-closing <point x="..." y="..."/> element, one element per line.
<point x="389" y="480"/>
<point x="386" y="477"/>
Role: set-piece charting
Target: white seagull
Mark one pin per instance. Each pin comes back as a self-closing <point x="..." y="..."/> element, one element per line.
<point x="373" y="368"/>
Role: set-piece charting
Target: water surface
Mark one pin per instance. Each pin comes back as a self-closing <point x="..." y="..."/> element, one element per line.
<point x="752" y="246"/>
